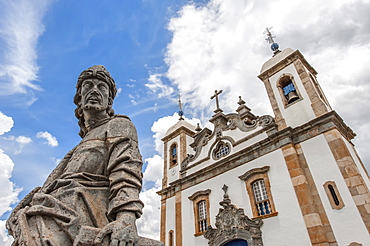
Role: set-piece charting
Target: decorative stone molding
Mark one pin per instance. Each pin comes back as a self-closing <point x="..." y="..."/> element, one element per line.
<point x="254" y="171"/>
<point x="223" y="123"/>
<point x="313" y="128"/>
<point x="284" y="63"/>
<point x="199" y="193"/>
<point x="235" y="121"/>
<point x="355" y="244"/>
<point x="232" y="223"/>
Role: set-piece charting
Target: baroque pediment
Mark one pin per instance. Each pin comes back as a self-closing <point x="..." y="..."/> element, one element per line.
<point x="232" y="223"/>
<point x="245" y="122"/>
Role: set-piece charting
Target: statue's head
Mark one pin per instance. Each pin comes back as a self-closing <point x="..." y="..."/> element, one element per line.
<point x="94" y="76"/>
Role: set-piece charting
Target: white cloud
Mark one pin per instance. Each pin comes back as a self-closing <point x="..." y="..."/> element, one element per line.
<point x="8" y="192"/>
<point x="51" y="140"/>
<point x="151" y="199"/>
<point x="5" y="240"/>
<point x="156" y="86"/>
<point x="219" y="45"/>
<point x="6" y="123"/>
<point x="23" y="140"/>
<point x="148" y="224"/>
<point x="20" y="29"/>
<point x="154" y="170"/>
<point x="154" y="173"/>
<point x="119" y="90"/>
<point x="160" y="127"/>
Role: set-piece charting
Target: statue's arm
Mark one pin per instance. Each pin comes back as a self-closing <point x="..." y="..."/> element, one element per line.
<point x="125" y="177"/>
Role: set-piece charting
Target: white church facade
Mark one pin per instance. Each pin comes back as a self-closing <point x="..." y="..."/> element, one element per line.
<point x="292" y="179"/>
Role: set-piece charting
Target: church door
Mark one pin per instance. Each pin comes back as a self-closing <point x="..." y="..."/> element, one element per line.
<point x="237" y="242"/>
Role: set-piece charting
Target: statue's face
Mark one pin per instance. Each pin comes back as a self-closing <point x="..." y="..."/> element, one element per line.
<point x="94" y="94"/>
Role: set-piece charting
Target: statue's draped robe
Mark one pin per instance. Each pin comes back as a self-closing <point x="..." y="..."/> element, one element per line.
<point x="100" y="177"/>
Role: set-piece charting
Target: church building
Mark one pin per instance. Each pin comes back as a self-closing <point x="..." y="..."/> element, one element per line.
<point x="290" y="179"/>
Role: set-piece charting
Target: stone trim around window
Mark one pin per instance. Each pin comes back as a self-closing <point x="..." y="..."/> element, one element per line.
<point x="173" y="155"/>
<point x="333" y="194"/>
<point x="259" y="175"/>
<point x="200" y="222"/>
<point x="284" y="80"/>
<point x="222" y="149"/>
<point x="171" y="238"/>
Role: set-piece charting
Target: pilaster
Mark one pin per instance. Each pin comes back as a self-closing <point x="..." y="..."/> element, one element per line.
<point x="280" y="121"/>
<point x="317" y="105"/>
<point x="355" y="182"/>
<point x="314" y="215"/>
<point x="178" y="222"/>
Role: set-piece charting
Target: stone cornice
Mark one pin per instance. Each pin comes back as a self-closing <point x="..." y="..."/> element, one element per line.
<point x="284" y="63"/>
<point x="177" y="132"/>
<point x="275" y="141"/>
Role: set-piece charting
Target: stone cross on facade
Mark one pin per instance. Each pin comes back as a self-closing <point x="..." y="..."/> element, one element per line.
<point x="217" y="104"/>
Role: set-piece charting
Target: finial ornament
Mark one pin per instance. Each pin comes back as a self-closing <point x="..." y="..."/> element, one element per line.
<point x="226" y="201"/>
<point x="179" y="104"/>
<point x="241" y="101"/>
<point x="217" y="104"/>
<point x="270" y="40"/>
<point x="198" y="129"/>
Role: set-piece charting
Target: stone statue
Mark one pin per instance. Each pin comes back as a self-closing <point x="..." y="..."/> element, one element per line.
<point x="92" y="196"/>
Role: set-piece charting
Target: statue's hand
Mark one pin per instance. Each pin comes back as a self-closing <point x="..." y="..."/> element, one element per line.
<point x="120" y="232"/>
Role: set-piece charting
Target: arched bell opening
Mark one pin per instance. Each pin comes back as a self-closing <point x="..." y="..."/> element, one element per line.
<point x="288" y="89"/>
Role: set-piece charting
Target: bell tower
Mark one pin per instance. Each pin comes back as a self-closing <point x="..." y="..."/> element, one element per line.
<point x="294" y="92"/>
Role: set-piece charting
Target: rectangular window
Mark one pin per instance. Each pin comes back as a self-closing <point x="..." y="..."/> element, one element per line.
<point x="202" y="216"/>
<point x="261" y="197"/>
<point x="258" y="187"/>
<point x="201" y="210"/>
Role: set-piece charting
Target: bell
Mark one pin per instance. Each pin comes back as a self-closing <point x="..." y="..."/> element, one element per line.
<point x="292" y="96"/>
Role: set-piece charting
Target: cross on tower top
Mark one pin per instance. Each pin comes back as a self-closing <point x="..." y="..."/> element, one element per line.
<point x="179" y="104"/>
<point x="270" y="40"/>
<point x="217" y="104"/>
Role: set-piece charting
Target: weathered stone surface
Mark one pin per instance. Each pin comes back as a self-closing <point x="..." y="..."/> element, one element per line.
<point x="92" y="196"/>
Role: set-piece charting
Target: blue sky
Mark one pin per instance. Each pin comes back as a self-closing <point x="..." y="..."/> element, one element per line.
<point x="156" y="50"/>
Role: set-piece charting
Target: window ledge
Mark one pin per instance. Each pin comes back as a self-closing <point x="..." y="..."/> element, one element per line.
<point x="266" y="216"/>
<point x="199" y="234"/>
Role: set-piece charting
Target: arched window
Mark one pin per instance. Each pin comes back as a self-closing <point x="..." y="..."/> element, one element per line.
<point x="173" y="155"/>
<point x="288" y="89"/>
<point x="236" y="242"/>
